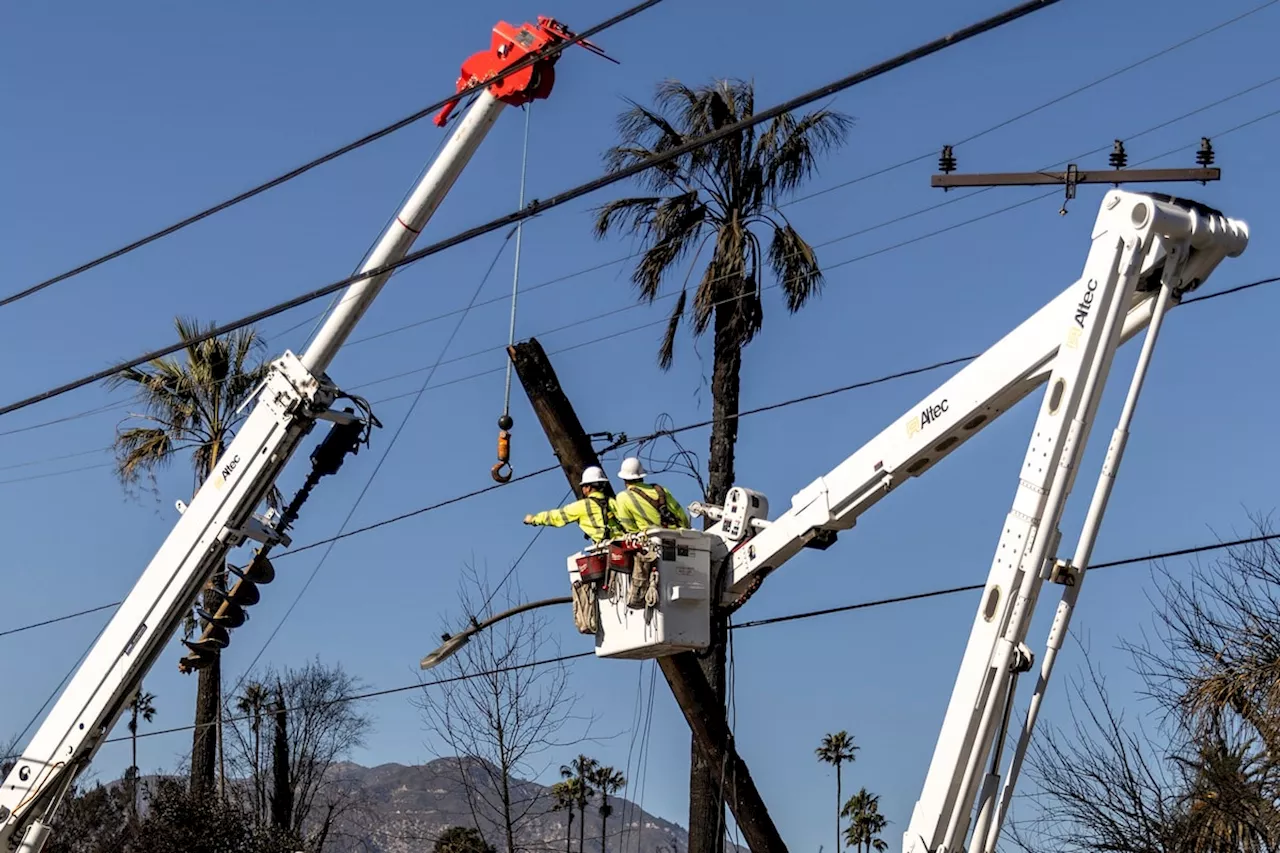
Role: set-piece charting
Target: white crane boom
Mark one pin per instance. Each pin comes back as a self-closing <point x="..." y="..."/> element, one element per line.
<point x="295" y="395"/>
<point x="1147" y="251"/>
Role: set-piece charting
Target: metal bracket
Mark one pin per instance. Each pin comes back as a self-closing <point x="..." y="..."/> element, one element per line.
<point x="1063" y="573"/>
<point x="261" y="528"/>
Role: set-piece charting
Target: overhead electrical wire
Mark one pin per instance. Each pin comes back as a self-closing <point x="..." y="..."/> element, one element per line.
<point x="563" y="197"/>
<point x="672" y="431"/>
<point x="376" y="469"/>
<point x="901" y="164"/>
<point x="514" y="68"/>
<point x="754" y="624"/>
<point x="373" y="694"/>
<point x="848" y="235"/>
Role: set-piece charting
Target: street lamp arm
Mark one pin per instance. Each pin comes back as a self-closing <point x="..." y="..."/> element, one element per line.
<point x="452" y="643"/>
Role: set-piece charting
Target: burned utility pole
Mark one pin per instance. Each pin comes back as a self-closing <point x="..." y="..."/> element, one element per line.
<point x="1073" y="176"/>
<point x="688" y="683"/>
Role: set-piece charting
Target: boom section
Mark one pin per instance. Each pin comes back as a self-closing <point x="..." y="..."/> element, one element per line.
<point x="218" y="519"/>
<point x="969" y="401"/>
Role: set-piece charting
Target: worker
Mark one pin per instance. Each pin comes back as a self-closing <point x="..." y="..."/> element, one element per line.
<point x="645" y="505"/>
<point x="596" y="513"/>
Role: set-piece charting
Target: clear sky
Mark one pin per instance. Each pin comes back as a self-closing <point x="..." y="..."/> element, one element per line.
<point x="123" y="118"/>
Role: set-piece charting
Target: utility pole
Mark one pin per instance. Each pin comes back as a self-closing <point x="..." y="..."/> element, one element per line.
<point x="1073" y="177"/>
<point x="688" y="684"/>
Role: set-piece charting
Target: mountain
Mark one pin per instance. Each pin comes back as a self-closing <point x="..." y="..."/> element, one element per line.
<point x="403" y="809"/>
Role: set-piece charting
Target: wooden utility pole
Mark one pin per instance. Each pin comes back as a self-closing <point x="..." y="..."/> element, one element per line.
<point x="689" y="685"/>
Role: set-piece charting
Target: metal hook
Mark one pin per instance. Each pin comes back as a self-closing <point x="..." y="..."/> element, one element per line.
<point x="504" y="451"/>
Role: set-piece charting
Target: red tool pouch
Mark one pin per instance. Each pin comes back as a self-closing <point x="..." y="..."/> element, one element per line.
<point x="621" y="557"/>
<point x="592" y="567"/>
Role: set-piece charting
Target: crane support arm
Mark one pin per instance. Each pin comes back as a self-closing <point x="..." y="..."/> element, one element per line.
<point x="987" y="387"/>
<point x="296" y="394"/>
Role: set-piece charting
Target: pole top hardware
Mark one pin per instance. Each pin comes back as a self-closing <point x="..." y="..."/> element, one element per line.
<point x="509" y="46"/>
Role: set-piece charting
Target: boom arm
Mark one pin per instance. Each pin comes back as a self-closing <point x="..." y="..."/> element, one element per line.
<point x="1147" y="251"/>
<point x="964" y="405"/>
<point x="294" y="396"/>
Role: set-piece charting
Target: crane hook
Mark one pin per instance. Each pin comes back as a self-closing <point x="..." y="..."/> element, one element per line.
<point x="501" y="472"/>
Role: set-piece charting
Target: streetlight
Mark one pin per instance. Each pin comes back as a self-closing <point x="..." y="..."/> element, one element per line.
<point x="452" y="643"/>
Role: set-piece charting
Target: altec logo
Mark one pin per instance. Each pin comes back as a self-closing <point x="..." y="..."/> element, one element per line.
<point x="1086" y="303"/>
<point x="932" y="413"/>
<point x="230" y="466"/>
<point x="927" y="415"/>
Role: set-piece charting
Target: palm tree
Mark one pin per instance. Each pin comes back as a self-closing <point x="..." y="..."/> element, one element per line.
<point x="192" y="404"/>
<point x="566" y="800"/>
<point x="581" y="772"/>
<point x="1229" y="799"/>
<point x="722" y="194"/>
<point x="608" y="781"/>
<point x="251" y="703"/>
<point x="836" y="749"/>
<point x="865" y="822"/>
<point x="143" y="705"/>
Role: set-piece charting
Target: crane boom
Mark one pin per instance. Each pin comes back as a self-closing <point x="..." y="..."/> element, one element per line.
<point x="1147" y="251"/>
<point x="295" y="395"/>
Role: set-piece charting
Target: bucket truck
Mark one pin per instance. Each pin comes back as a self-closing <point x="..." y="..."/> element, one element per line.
<point x="1148" y="251"/>
<point x="518" y="67"/>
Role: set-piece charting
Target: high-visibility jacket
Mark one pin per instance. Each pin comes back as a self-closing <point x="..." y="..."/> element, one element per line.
<point x="595" y="514"/>
<point x="638" y="508"/>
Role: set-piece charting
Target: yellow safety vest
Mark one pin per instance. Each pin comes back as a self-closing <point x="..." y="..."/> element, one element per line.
<point x="596" y="515"/>
<point x="638" y="514"/>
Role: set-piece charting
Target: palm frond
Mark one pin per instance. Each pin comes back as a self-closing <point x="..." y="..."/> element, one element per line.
<point x="141" y="450"/>
<point x="666" y="352"/>
<point x="795" y="266"/>
<point x="793" y="158"/>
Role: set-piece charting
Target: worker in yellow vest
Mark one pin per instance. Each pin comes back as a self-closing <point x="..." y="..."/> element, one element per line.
<point x="596" y="513"/>
<point x="644" y="505"/>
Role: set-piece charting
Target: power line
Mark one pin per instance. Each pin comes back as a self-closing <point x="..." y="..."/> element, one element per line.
<point x="831" y="241"/>
<point x="1079" y="89"/>
<point x="514" y="68"/>
<point x="532" y="209"/>
<point x="378" y="467"/>
<point x="919" y="596"/>
<point x="862" y="605"/>
<point x="769" y="407"/>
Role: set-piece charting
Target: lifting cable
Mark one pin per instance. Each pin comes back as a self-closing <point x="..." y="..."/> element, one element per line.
<point x="502" y="471"/>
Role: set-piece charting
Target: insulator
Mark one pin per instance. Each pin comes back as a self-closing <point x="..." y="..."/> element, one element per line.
<point x="1204" y="157"/>
<point x="947" y="162"/>
<point x="1119" y="159"/>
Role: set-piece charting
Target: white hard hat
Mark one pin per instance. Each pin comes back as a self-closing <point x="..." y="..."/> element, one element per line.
<point x="631" y="469"/>
<point x="593" y="474"/>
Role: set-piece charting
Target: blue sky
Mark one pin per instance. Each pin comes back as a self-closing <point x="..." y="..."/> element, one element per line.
<point x="122" y="120"/>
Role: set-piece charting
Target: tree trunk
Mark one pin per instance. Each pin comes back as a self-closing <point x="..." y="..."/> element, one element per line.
<point x="568" y="833"/>
<point x="706" y="782"/>
<point x="133" y="783"/>
<point x="582" y="824"/>
<point x="204" y="752"/>
<point x="206" y="739"/>
<point x="604" y="821"/>
<point x="257" y="765"/>
<point x="282" y="793"/>
<point x="838" y="806"/>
